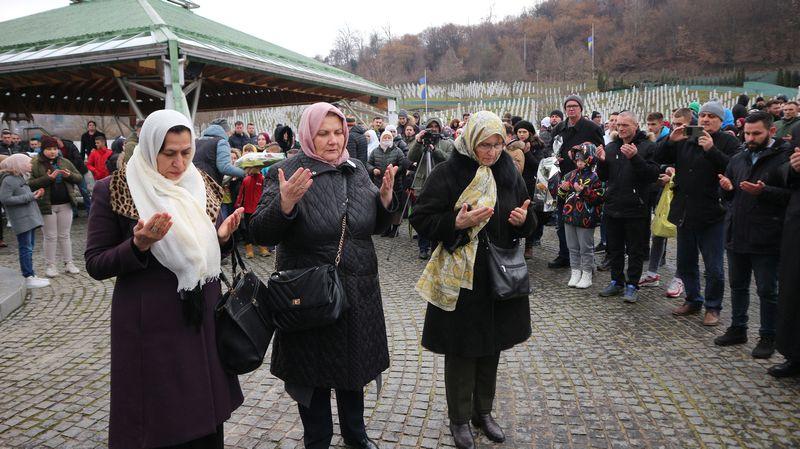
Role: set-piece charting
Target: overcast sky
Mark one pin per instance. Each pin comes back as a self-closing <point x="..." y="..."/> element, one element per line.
<point x="310" y="27"/>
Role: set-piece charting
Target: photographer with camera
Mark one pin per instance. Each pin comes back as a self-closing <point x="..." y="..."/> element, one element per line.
<point x="428" y="149"/>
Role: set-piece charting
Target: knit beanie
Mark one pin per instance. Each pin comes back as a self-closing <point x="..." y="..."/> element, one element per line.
<point x="715" y="108"/>
<point x="49" y="142"/>
<point x="524" y="124"/>
<point x="558" y="113"/>
<point x="574" y="97"/>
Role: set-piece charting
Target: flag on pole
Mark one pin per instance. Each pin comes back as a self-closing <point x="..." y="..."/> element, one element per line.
<point x="590" y="43"/>
<point x="422" y="90"/>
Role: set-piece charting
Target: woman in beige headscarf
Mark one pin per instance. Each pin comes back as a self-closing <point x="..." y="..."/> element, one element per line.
<point x="477" y="189"/>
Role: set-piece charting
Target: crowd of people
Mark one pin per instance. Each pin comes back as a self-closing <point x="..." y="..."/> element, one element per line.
<point x="167" y="205"/>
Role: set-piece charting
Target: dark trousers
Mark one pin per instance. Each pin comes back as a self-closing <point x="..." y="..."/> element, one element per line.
<point x="87" y="197"/>
<point x="318" y="421"/>
<point x="603" y="231"/>
<point x="709" y="242"/>
<point x="469" y="385"/>
<point x="563" y="250"/>
<point x="626" y="236"/>
<point x="765" y="269"/>
<point x="214" y="441"/>
<point x="538" y="231"/>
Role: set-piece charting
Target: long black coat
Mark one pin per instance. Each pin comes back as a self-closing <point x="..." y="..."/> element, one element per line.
<point x="353" y="351"/>
<point x="696" y="203"/>
<point x="788" y="331"/>
<point x="753" y="223"/>
<point x="167" y="383"/>
<point x="630" y="181"/>
<point x="479" y="326"/>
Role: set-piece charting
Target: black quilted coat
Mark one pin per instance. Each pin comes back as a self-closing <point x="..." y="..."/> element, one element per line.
<point x="353" y="351"/>
<point x="479" y="326"/>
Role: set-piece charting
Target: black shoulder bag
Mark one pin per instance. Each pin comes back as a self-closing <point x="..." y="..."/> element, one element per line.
<point x="508" y="271"/>
<point x="244" y="329"/>
<point x="308" y="298"/>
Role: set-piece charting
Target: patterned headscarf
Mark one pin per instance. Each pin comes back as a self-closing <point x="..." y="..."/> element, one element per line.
<point x="481" y="126"/>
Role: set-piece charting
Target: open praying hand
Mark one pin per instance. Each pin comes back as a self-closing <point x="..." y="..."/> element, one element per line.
<point x="519" y="214"/>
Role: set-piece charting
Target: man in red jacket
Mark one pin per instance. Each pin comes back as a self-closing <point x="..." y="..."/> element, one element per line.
<point x="98" y="157"/>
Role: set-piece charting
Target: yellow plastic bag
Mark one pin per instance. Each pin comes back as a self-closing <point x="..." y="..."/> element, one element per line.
<point x="661" y="226"/>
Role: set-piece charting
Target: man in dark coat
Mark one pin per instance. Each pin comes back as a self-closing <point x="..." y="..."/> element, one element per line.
<point x="740" y="108"/>
<point x="627" y="167"/>
<point x="575" y="130"/>
<point x="697" y="209"/>
<point x="788" y="330"/>
<point x="753" y="230"/>
<point x="7" y="146"/>
<point x="88" y="138"/>
<point x="357" y="141"/>
<point x="238" y="138"/>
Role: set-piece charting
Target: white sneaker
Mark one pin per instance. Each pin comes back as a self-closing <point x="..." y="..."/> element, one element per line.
<point x="675" y="289"/>
<point x="70" y="268"/>
<point x="586" y="280"/>
<point x="650" y="279"/>
<point x="34" y="282"/>
<point x="51" y="271"/>
<point x="575" y="278"/>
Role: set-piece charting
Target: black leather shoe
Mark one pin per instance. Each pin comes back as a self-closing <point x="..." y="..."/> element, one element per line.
<point x="558" y="262"/>
<point x="364" y="443"/>
<point x="765" y="347"/>
<point x="789" y="368"/>
<point x="732" y="336"/>
<point x="462" y="435"/>
<point x="489" y="427"/>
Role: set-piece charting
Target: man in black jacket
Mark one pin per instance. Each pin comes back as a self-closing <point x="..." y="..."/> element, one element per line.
<point x="628" y="168"/>
<point x="87" y="138"/>
<point x="575" y="130"/>
<point x="357" y="141"/>
<point x="753" y="226"/>
<point x="697" y="208"/>
<point x="239" y="138"/>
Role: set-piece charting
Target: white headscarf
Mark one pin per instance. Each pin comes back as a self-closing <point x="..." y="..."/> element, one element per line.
<point x="373" y="141"/>
<point x="190" y="249"/>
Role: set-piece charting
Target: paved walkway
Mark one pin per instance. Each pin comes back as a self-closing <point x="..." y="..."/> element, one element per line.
<point x="596" y="373"/>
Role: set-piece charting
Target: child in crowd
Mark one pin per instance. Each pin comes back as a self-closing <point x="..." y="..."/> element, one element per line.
<point x="249" y="196"/>
<point x="23" y="212"/>
<point x="582" y="193"/>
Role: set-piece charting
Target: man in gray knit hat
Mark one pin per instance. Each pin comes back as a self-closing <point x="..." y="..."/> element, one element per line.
<point x="697" y="209"/>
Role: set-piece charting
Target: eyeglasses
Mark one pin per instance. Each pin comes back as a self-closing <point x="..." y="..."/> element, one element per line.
<point x="489" y="146"/>
<point x="572" y="106"/>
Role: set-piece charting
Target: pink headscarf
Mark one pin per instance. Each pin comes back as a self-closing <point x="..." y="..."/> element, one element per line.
<point x="310" y="123"/>
<point x="17" y="164"/>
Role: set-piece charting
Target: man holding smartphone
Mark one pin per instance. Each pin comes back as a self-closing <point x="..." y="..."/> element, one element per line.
<point x="697" y="209"/>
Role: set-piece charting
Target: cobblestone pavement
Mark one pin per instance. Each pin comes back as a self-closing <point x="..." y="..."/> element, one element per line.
<point x="596" y="373"/>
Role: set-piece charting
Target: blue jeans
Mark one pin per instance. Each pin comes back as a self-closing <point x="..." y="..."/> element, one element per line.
<point x="26" y="241"/>
<point x="87" y="198"/>
<point x="709" y="242"/>
<point x="765" y="269"/>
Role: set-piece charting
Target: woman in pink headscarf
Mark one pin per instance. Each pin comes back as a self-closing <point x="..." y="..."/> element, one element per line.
<point x="301" y="210"/>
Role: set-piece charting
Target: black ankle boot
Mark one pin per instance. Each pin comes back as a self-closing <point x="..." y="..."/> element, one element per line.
<point x="462" y="435"/>
<point x="489" y="426"/>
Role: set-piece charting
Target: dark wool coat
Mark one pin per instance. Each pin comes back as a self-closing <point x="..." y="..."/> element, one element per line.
<point x="352" y="352"/>
<point x="629" y="181"/>
<point x="753" y="223"/>
<point x="167" y="383"/>
<point x="788" y="331"/>
<point x="696" y="203"/>
<point x="479" y="326"/>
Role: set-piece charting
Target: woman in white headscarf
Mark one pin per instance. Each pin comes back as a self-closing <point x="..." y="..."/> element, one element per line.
<point x="155" y="226"/>
<point x="478" y="193"/>
<point x="373" y="141"/>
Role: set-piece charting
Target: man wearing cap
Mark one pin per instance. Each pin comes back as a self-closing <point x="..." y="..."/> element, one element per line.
<point x="356" y="140"/>
<point x="575" y="130"/>
<point x="697" y="209"/>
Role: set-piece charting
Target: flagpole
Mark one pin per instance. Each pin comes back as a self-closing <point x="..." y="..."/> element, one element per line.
<point x="426" y="93"/>
<point x="593" y="46"/>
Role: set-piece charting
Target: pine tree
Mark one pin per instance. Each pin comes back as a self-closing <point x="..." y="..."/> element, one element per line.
<point x="779" y="79"/>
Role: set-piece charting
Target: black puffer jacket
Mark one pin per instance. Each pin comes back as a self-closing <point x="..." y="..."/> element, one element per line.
<point x="754" y="223"/>
<point x="629" y="181"/>
<point x="353" y="351"/>
<point x="380" y="159"/>
<point x="357" y="143"/>
<point x="479" y="326"/>
<point x="696" y="203"/>
<point x="584" y="130"/>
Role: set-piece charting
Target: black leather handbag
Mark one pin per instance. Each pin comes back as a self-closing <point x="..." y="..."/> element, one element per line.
<point x="244" y="329"/>
<point x="308" y="298"/>
<point x="508" y="271"/>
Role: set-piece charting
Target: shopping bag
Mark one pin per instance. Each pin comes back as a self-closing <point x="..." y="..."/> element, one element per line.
<point x="661" y="226"/>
